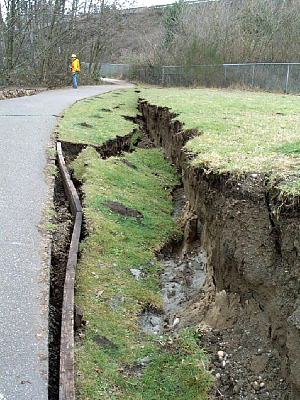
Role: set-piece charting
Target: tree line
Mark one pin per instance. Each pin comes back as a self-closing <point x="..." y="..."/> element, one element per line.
<point x="37" y="37"/>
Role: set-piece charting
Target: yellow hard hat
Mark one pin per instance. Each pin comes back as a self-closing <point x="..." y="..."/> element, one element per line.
<point x="73" y="56"/>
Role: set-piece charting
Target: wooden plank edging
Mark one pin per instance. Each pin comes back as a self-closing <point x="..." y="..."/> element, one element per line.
<point x="67" y="370"/>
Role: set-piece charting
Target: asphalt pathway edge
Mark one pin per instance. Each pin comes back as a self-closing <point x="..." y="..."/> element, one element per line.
<point x="24" y="247"/>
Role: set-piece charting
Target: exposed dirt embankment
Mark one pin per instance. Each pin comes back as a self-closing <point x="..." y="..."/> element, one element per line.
<point x="252" y="285"/>
<point x="110" y="148"/>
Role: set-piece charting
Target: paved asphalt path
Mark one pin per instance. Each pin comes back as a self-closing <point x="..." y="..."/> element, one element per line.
<point x="25" y="127"/>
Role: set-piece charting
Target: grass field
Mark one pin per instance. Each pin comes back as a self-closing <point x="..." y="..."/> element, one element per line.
<point x="239" y="131"/>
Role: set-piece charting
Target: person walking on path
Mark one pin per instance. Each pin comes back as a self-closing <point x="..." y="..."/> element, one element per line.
<point x="75" y="70"/>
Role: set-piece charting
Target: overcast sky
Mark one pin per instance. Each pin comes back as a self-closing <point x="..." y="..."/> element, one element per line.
<point x="145" y="3"/>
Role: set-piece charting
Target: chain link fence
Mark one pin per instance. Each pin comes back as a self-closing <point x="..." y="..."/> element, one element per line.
<point x="278" y="77"/>
<point x="121" y="71"/>
<point x="106" y="70"/>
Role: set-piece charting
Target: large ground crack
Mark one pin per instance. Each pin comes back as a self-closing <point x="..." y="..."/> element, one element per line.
<point x="243" y="314"/>
<point x="60" y="248"/>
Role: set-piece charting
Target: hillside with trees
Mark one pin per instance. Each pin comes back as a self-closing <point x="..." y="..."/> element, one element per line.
<point x="225" y="31"/>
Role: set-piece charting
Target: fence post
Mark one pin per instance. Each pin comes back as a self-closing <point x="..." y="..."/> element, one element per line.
<point x="163" y="76"/>
<point x="180" y="75"/>
<point x="287" y="78"/>
<point x="253" y="68"/>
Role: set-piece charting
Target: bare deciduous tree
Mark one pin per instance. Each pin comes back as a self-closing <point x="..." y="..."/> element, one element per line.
<point x="38" y="36"/>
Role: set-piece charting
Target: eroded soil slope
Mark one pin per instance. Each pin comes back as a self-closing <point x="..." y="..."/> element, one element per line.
<point x="248" y="311"/>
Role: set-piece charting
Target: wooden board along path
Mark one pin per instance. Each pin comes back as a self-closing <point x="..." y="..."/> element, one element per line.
<point x="67" y="373"/>
<point x="69" y="187"/>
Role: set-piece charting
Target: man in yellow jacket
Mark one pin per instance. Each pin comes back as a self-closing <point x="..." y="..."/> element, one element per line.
<point x="75" y="70"/>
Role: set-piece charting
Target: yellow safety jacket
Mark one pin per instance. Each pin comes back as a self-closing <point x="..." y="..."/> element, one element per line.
<point x="75" y="65"/>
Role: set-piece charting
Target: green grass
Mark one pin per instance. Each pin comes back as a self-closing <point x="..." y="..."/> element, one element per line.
<point x="98" y="119"/>
<point x="290" y="148"/>
<point x="239" y="131"/>
<point x="109" y="295"/>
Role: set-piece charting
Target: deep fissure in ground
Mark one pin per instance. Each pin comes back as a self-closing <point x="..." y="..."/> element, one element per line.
<point x="59" y="257"/>
<point x="245" y="315"/>
<point x="250" y="307"/>
<point x="60" y="248"/>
